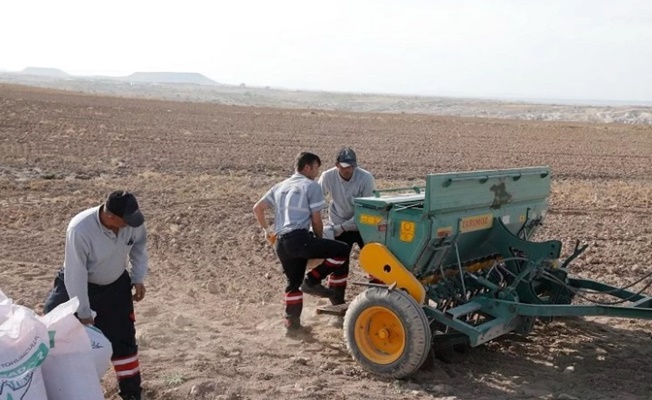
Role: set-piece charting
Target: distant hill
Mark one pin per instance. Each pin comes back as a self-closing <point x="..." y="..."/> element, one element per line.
<point x="170" y="77"/>
<point x="38" y="71"/>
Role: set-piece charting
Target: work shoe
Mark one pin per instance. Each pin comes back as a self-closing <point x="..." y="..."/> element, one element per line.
<point x="338" y="297"/>
<point x="293" y="328"/>
<point x="300" y="330"/>
<point x="316" y="289"/>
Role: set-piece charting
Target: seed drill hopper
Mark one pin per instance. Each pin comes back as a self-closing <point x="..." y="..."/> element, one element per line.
<point x="458" y="269"/>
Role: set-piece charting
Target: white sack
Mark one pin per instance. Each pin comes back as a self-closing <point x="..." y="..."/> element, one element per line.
<point x="69" y="371"/>
<point x="101" y="350"/>
<point x="23" y="349"/>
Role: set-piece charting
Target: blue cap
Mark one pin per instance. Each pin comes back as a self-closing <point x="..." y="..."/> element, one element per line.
<point x="346" y="158"/>
<point x="124" y="205"/>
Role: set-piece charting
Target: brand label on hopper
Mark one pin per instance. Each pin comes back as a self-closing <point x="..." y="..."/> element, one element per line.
<point x="476" y="222"/>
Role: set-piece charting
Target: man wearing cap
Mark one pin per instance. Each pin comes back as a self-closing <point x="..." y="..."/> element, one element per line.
<point x="343" y="183"/>
<point x="297" y="203"/>
<point x="101" y="243"/>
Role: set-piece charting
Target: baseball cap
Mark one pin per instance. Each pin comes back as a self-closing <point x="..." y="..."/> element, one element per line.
<point x="346" y="157"/>
<point x="124" y="205"/>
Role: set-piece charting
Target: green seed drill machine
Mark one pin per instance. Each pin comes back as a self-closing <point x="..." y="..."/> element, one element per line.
<point x="459" y="269"/>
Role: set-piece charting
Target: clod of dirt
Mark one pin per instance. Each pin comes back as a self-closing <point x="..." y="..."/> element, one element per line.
<point x="212" y="288"/>
<point x="181" y="320"/>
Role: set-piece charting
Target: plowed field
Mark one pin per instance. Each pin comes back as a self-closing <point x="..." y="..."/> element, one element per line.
<point x="211" y="321"/>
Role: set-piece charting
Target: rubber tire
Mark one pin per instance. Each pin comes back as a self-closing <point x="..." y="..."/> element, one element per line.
<point x="415" y="323"/>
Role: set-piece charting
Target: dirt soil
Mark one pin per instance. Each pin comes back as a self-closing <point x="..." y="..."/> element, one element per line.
<point x="210" y="326"/>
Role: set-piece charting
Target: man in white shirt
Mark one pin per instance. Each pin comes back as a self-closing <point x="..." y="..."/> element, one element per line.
<point x="297" y="203"/>
<point x="102" y="244"/>
<point x="343" y="183"/>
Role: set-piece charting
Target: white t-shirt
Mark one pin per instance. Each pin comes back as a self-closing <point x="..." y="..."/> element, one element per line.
<point x="342" y="192"/>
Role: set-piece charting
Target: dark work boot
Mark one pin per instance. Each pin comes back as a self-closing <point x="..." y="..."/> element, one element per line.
<point x="292" y="323"/>
<point x="130" y="388"/>
<point x="294" y="328"/>
<point x="316" y="289"/>
<point x="130" y="397"/>
<point x="338" y="297"/>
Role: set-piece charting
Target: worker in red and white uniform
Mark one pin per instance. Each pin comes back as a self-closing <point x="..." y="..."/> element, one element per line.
<point x="105" y="267"/>
<point x="297" y="203"/>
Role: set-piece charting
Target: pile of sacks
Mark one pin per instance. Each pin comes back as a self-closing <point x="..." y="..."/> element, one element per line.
<point x="51" y="357"/>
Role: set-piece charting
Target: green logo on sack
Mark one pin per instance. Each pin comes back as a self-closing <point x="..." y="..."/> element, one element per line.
<point x="51" y="335"/>
<point x="32" y="362"/>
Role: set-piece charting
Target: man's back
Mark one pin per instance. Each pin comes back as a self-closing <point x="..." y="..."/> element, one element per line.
<point x="294" y="200"/>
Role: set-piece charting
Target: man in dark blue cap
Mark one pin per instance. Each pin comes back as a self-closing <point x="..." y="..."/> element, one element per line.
<point x="342" y="183"/>
<point x="102" y="242"/>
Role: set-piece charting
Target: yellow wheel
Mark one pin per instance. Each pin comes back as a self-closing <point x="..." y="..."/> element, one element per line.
<point x="387" y="332"/>
<point x="380" y="335"/>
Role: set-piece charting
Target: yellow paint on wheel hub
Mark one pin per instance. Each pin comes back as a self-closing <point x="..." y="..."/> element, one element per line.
<point x="380" y="335"/>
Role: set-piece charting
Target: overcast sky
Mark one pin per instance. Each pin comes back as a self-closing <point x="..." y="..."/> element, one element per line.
<point x="554" y="49"/>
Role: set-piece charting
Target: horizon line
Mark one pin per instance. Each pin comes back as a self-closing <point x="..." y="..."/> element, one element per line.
<point x="511" y="98"/>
